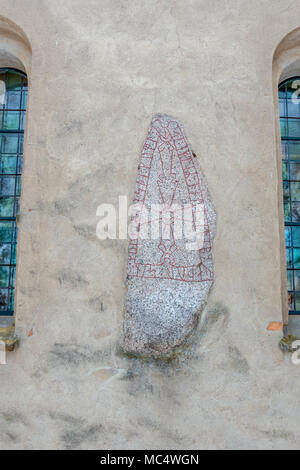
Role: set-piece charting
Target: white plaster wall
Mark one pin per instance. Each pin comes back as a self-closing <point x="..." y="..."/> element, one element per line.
<point x="100" y="70"/>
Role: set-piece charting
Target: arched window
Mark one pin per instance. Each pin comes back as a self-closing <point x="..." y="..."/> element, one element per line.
<point x="13" y="99"/>
<point x="289" y="110"/>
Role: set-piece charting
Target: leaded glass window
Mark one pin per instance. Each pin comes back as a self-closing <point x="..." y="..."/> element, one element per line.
<point x="13" y="98"/>
<point x="289" y="109"/>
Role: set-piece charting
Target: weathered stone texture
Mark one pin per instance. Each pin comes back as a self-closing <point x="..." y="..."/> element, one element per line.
<point x="167" y="282"/>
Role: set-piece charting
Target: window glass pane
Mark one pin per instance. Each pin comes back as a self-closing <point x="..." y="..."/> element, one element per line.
<point x="4" y="301"/>
<point x="295" y="171"/>
<point x="9" y="143"/>
<point x="295" y="212"/>
<point x="294" y="150"/>
<point x="293" y="108"/>
<point x="21" y="140"/>
<point x="13" y="253"/>
<point x="293" y="128"/>
<point x="282" y="107"/>
<point x="11" y="299"/>
<point x="13" y="86"/>
<point x="286" y="191"/>
<point x="6" y="231"/>
<point x="297" y="280"/>
<point x="11" y="120"/>
<point x="24" y="100"/>
<point x="14" y="81"/>
<point x="287" y="212"/>
<point x="5" y="252"/>
<point x="8" y="164"/>
<point x="19" y="164"/>
<point x="290" y="285"/>
<point x="296" y="255"/>
<point x="295" y="191"/>
<point x="297" y="301"/>
<point x="289" y="259"/>
<point x="7" y="206"/>
<point x="282" y="92"/>
<point x="13" y="100"/>
<point x="4" y="276"/>
<point x="296" y="236"/>
<point x="22" y="120"/>
<point x="285" y="174"/>
<point x="291" y="88"/>
<point x="291" y="301"/>
<point x="7" y="185"/>
<point x="284" y="150"/>
<point x="288" y="236"/>
<point x="283" y="126"/>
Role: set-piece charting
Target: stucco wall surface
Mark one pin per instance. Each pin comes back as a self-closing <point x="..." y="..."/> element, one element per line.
<point x="100" y="70"/>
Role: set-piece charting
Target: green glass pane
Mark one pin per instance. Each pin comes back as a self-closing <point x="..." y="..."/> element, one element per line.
<point x="297" y="280"/>
<point x="17" y="206"/>
<point x="289" y="258"/>
<point x="293" y="107"/>
<point x="21" y="142"/>
<point x="295" y="171"/>
<point x="20" y="165"/>
<point x="6" y="231"/>
<point x="4" y="276"/>
<point x="283" y="126"/>
<point x="296" y="254"/>
<point x="24" y="100"/>
<point x="14" y="81"/>
<point x="7" y="185"/>
<point x="11" y="299"/>
<point x="284" y="150"/>
<point x="294" y="150"/>
<point x="5" y="250"/>
<point x="8" y="164"/>
<point x="4" y="302"/>
<point x="285" y="175"/>
<point x="9" y="143"/>
<point x="18" y="186"/>
<point x="287" y="213"/>
<point x="22" y="120"/>
<point x="11" y="120"/>
<point x="291" y="89"/>
<point x="7" y="206"/>
<point x="290" y="280"/>
<point x="282" y="107"/>
<point x="297" y="300"/>
<point x="13" y="100"/>
<point x="296" y="236"/>
<point x="295" y="191"/>
<point x="12" y="276"/>
<point x="287" y="232"/>
<point x="295" y="212"/>
<point x="14" y="253"/>
<point x="290" y="301"/>
<point x="286" y="191"/>
<point x="294" y="128"/>
<point x="282" y="92"/>
<point x="14" y="233"/>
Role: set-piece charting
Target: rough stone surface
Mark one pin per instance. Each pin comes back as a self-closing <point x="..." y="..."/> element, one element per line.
<point x="167" y="282"/>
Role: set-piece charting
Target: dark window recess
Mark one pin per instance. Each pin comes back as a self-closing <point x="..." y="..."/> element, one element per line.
<point x="289" y="109"/>
<point x="13" y="98"/>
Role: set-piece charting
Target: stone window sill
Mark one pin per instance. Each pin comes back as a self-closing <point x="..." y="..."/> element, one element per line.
<point x="8" y="337"/>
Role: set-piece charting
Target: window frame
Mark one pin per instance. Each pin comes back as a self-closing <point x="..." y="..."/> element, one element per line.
<point x="287" y="138"/>
<point x="17" y="175"/>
